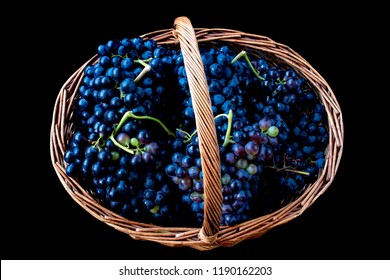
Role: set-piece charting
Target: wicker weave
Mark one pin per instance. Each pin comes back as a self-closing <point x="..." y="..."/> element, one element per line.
<point x="211" y="234"/>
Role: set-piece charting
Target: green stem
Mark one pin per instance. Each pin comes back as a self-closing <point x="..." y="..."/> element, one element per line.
<point x="130" y="114"/>
<point x="245" y="55"/>
<point x="289" y="170"/>
<point x="125" y="117"/>
<point x="121" y="122"/>
<point x="296" y="171"/>
<point x="143" y="62"/>
<point x="229" y="116"/>
<point x="152" y="119"/>
<point x="99" y="143"/>
<point x="229" y="129"/>
<point x="188" y="136"/>
<point x="130" y="151"/>
<point x="121" y="56"/>
<point x="281" y="82"/>
<point x="145" y="70"/>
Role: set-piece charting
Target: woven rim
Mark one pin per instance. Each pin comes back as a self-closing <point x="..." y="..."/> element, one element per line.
<point x="211" y="234"/>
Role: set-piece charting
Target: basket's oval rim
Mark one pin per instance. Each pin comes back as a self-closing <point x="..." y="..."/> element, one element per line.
<point x="188" y="236"/>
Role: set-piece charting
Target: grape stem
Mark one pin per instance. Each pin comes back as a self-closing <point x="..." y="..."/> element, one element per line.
<point x="125" y="117"/>
<point x="130" y="151"/>
<point x="130" y="114"/>
<point x="99" y="143"/>
<point x="245" y="55"/>
<point x="188" y="136"/>
<point x="289" y="170"/>
<point x="145" y="70"/>
<point x="137" y="149"/>
<point x="229" y="116"/>
<point x="229" y="129"/>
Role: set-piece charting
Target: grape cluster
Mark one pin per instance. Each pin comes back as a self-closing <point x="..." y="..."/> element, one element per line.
<point x="135" y="144"/>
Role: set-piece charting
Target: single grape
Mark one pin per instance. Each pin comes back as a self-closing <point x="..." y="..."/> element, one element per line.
<point x="123" y="139"/>
<point x="252" y="148"/>
<point x="273" y="131"/>
<point x="265" y="123"/>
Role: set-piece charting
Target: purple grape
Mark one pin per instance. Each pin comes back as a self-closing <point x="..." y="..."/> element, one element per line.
<point x="198" y="186"/>
<point x="123" y="139"/>
<point x="226" y="208"/>
<point x="230" y="158"/>
<point x="238" y="150"/>
<point x="252" y="148"/>
<point x="194" y="172"/>
<point x="143" y="136"/>
<point x="265" y="123"/>
<point x="147" y="157"/>
<point x="152" y="147"/>
<point x="273" y="141"/>
<point x="185" y="183"/>
<point x="265" y="153"/>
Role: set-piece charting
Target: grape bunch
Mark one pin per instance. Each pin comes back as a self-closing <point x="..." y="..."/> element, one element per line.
<point x="135" y="144"/>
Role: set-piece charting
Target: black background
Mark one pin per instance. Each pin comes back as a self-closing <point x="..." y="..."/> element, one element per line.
<point x="41" y="221"/>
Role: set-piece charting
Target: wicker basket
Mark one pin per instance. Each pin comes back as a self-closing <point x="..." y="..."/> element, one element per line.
<point x="211" y="234"/>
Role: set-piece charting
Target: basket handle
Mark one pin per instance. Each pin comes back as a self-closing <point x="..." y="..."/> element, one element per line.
<point x="204" y="119"/>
